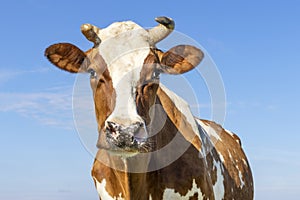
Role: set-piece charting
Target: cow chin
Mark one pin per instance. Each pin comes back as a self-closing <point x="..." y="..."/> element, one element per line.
<point x="125" y="143"/>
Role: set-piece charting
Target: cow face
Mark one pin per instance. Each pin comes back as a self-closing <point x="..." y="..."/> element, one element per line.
<point x="124" y="68"/>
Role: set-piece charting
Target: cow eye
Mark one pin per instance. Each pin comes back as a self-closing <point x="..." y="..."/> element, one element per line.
<point x="155" y="75"/>
<point x="92" y="73"/>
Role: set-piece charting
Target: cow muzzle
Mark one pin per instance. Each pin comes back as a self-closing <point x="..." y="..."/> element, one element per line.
<point x="132" y="138"/>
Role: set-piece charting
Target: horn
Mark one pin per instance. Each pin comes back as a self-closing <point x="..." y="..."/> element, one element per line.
<point x="165" y="27"/>
<point x="91" y="33"/>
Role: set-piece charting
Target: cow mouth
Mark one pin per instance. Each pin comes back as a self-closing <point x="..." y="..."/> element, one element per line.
<point x="123" y="140"/>
<point x="128" y="143"/>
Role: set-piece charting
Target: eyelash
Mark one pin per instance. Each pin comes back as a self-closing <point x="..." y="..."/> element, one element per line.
<point x="93" y="73"/>
<point x="102" y="80"/>
<point x="155" y="75"/>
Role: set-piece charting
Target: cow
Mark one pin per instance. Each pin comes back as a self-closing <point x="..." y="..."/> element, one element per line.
<point x="130" y="103"/>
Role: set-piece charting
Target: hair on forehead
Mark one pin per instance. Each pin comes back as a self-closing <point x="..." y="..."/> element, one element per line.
<point x="118" y="28"/>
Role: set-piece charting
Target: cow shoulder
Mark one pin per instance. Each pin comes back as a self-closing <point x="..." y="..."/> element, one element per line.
<point x="229" y="149"/>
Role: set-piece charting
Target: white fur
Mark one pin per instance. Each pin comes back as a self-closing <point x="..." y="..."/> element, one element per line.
<point x="171" y="194"/>
<point x="229" y="132"/>
<point x="218" y="187"/>
<point x="103" y="193"/>
<point x="242" y="183"/>
<point x="124" y="48"/>
<point x="210" y="131"/>
<point x="221" y="157"/>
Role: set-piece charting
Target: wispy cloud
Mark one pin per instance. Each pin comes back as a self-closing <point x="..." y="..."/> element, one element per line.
<point x="8" y="74"/>
<point x="52" y="107"/>
<point x="235" y="106"/>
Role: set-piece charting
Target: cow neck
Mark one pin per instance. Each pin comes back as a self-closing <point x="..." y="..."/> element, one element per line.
<point x="179" y="175"/>
<point x="180" y="114"/>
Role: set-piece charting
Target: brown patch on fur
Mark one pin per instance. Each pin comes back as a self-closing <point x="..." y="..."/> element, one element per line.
<point x="103" y="91"/>
<point x="104" y="98"/>
<point x="147" y="87"/>
<point x="65" y="56"/>
<point x="179" y="120"/>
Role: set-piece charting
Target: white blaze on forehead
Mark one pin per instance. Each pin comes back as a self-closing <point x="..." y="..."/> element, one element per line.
<point x="124" y="48"/>
<point x="171" y="194"/>
<point x="103" y="193"/>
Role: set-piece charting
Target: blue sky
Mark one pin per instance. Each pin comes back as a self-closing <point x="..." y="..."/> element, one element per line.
<point x="255" y="45"/>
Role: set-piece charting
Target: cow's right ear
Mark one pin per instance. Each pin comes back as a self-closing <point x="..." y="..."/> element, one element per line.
<point x="66" y="56"/>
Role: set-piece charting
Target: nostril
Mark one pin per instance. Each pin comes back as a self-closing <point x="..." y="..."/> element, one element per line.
<point x="112" y="130"/>
<point x="139" y="124"/>
<point x="111" y="124"/>
<point x="111" y="127"/>
<point x="136" y="126"/>
<point x="132" y="138"/>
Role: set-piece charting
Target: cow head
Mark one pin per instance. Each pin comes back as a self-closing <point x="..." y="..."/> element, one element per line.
<point x="124" y="67"/>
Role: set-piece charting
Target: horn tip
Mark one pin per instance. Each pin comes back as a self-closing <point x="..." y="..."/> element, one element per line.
<point x="85" y="27"/>
<point x="166" y="21"/>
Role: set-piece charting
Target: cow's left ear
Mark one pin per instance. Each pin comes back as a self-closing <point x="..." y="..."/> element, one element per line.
<point x="180" y="59"/>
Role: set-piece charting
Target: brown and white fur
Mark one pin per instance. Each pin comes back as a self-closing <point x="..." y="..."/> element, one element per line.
<point x="125" y="65"/>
